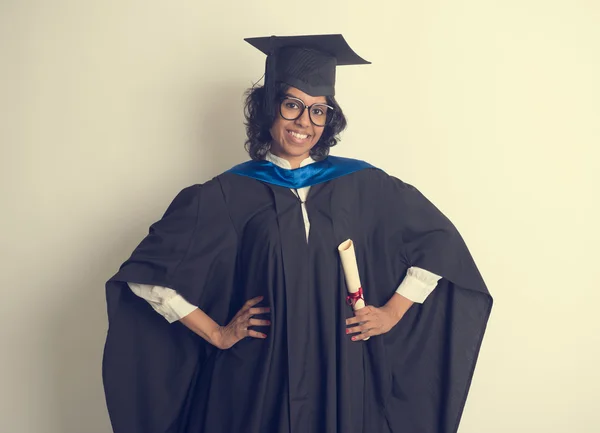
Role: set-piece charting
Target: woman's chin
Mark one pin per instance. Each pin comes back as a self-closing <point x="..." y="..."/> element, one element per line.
<point x="296" y="149"/>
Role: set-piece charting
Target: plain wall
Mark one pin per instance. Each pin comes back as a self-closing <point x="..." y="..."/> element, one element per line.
<point x="109" y="108"/>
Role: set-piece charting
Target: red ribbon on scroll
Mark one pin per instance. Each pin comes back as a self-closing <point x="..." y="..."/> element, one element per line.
<point x="352" y="298"/>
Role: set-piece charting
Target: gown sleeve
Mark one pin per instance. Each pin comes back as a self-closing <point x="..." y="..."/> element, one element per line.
<point x="150" y="366"/>
<point x="429" y="239"/>
<point x="157" y="258"/>
<point x="424" y="365"/>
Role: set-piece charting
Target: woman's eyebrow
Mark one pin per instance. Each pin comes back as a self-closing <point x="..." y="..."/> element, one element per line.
<point x="289" y="95"/>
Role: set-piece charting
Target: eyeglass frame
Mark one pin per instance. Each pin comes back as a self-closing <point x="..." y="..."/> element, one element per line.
<point x="304" y="107"/>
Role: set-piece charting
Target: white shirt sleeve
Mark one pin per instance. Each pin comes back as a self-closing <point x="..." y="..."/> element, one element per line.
<point x="167" y="302"/>
<point x="418" y="284"/>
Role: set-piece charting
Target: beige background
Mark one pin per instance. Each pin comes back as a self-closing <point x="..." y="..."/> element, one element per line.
<point x="108" y="108"/>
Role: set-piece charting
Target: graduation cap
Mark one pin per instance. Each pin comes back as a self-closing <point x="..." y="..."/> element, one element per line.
<point x="307" y="63"/>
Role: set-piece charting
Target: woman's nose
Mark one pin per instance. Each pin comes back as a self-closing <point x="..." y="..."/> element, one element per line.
<point x="304" y="119"/>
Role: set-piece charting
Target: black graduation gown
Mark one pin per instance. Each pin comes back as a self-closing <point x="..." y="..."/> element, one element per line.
<point x="234" y="238"/>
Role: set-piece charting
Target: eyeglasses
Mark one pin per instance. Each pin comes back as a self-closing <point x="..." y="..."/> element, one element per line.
<point x="292" y="108"/>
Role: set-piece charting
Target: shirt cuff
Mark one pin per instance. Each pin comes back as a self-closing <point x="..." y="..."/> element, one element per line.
<point x="418" y="284"/>
<point x="165" y="301"/>
<point x="176" y="308"/>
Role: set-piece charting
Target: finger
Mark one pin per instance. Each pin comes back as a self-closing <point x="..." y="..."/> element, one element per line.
<point x="363" y="311"/>
<point x="353" y="320"/>
<point x="252" y="302"/>
<point x="256" y="334"/>
<point x="362" y="336"/>
<point x="258" y="322"/>
<point x="261" y="310"/>
<point x="359" y="328"/>
<point x="352" y="330"/>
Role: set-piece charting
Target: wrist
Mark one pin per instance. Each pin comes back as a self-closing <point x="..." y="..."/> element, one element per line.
<point x="216" y="337"/>
<point x="397" y="306"/>
<point x="394" y="312"/>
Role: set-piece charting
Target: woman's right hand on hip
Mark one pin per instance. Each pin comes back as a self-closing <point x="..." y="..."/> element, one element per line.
<point x="239" y="327"/>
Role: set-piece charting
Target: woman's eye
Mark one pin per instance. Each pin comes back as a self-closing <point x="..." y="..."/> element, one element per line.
<point x="318" y="112"/>
<point x="292" y="105"/>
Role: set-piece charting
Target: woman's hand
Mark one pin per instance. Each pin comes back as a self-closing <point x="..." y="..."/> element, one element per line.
<point x="376" y="321"/>
<point x="238" y="328"/>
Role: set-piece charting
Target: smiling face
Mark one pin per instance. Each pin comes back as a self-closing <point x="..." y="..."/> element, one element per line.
<point x="293" y="139"/>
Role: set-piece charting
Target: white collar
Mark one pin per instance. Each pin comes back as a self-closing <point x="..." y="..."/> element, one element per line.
<point x="284" y="163"/>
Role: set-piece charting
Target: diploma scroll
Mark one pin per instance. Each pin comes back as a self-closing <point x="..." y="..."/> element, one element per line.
<point x="355" y="292"/>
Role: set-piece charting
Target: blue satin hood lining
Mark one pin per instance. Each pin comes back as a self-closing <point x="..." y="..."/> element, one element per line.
<point x="330" y="168"/>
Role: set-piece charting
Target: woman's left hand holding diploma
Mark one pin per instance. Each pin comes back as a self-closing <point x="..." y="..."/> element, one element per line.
<point x="370" y="321"/>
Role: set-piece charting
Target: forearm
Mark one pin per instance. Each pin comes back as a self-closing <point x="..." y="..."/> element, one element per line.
<point x="201" y="324"/>
<point x="397" y="306"/>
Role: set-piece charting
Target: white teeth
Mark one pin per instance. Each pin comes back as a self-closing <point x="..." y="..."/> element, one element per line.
<point x="300" y="136"/>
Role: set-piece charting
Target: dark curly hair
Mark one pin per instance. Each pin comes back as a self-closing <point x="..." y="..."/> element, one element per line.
<point x="259" y="122"/>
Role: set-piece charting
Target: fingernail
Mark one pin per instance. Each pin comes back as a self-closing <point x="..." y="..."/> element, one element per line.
<point x="347" y="331"/>
<point x="353" y="338"/>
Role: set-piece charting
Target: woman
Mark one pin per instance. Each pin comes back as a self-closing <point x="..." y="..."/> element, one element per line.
<point x="248" y="262"/>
